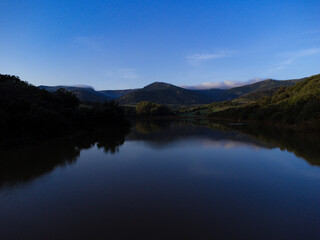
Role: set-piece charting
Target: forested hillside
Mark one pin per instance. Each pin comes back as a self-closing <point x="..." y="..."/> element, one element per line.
<point x="292" y="105"/>
<point x="84" y="94"/>
<point x="28" y="110"/>
<point x="163" y="93"/>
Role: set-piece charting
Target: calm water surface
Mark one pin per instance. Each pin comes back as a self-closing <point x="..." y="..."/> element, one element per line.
<point x="165" y="180"/>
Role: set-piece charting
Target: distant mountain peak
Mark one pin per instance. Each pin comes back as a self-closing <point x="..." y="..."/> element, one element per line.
<point x="159" y="86"/>
<point x="82" y="86"/>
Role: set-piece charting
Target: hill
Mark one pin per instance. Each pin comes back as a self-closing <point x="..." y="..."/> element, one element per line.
<point x="164" y="93"/>
<point x="217" y="95"/>
<point x="298" y="104"/>
<point x="84" y="94"/>
<point x="26" y="110"/>
<point x="114" y="94"/>
<point x="261" y="86"/>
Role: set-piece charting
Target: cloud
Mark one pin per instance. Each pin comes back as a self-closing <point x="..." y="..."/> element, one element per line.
<point x="222" y="85"/>
<point x="122" y="73"/>
<point x="305" y="52"/>
<point x="291" y="57"/>
<point x="82" y="86"/>
<point x="196" y="59"/>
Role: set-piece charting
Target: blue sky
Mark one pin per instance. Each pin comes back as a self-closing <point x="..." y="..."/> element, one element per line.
<point x="128" y="44"/>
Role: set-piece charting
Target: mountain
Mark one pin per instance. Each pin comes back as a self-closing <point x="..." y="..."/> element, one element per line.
<point x="217" y="95"/>
<point x="114" y="94"/>
<point x="254" y="96"/>
<point x="298" y="104"/>
<point x="169" y="94"/>
<point x="26" y="110"/>
<point x="164" y="93"/>
<point x="261" y="86"/>
<point x="85" y="94"/>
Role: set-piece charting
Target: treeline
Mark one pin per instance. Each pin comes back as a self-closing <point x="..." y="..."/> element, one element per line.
<point x="28" y="110"/>
<point x="148" y="109"/>
<point x="296" y="105"/>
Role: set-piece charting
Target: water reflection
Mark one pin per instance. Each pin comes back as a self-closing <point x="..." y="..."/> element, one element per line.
<point x="162" y="133"/>
<point x="27" y="163"/>
<point x="170" y="180"/>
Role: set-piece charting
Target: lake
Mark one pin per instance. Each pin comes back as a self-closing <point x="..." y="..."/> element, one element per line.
<point x="165" y="180"/>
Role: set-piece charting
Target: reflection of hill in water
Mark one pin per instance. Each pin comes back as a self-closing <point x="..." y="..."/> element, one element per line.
<point x="305" y="145"/>
<point x="28" y="163"/>
<point x="162" y="133"/>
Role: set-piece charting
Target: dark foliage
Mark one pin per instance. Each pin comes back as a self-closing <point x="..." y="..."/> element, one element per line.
<point x="85" y="94"/>
<point x="299" y="104"/>
<point x="114" y="94"/>
<point x="164" y="93"/>
<point x="152" y="109"/>
<point x="28" y="110"/>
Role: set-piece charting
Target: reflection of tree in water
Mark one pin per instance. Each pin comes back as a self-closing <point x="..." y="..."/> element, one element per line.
<point x="159" y="133"/>
<point x="303" y="144"/>
<point x="147" y="127"/>
<point x="111" y="141"/>
<point x="27" y="163"/>
<point x="23" y="165"/>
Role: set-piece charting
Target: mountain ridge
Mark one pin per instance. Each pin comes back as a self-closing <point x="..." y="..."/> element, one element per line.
<point x="166" y="93"/>
<point x="85" y="94"/>
<point x="297" y="104"/>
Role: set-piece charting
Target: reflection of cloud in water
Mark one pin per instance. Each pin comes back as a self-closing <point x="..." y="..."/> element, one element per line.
<point x="165" y="134"/>
<point x="229" y="144"/>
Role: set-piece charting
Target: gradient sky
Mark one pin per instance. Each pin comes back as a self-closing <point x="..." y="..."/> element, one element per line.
<point x="128" y="44"/>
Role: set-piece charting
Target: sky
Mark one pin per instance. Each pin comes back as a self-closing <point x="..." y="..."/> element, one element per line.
<point x="129" y="44"/>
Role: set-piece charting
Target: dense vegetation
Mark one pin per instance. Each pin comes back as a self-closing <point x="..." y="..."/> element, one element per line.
<point x="28" y="110"/>
<point x="262" y="86"/>
<point x="173" y="96"/>
<point x="299" y="104"/>
<point x="147" y="109"/>
<point x="164" y="93"/>
<point x="114" y="94"/>
<point x="85" y="94"/>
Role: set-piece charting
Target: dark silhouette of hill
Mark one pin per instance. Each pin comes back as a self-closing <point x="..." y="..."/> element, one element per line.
<point x="28" y="110"/>
<point x="217" y="95"/>
<point x="114" y="94"/>
<point x="164" y="93"/>
<point x="84" y="94"/>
